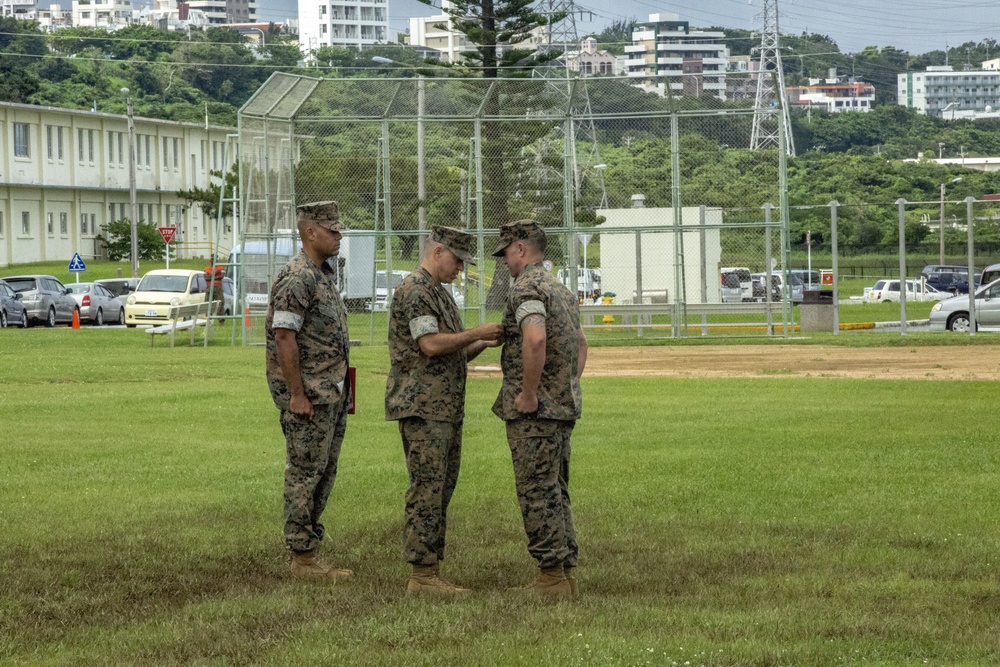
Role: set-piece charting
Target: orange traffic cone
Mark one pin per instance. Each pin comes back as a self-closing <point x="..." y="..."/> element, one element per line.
<point x="246" y="319"/>
<point x="76" y="318"/>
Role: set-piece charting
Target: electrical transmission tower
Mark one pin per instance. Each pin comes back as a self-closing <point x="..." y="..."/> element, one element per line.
<point x="561" y="36"/>
<point x="767" y="124"/>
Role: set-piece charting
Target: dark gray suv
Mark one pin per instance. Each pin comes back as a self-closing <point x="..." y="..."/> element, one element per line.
<point x="45" y="298"/>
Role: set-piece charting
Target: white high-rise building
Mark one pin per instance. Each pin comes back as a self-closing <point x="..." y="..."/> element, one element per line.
<point x="108" y="14"/>
<point x="941" y="91"/>
<point x="19" y="9"/>
<point x="226" y="11"/>
<point x="355" y="23"/>
<point x="665" y="52"/>
<point x="435" y="32"/>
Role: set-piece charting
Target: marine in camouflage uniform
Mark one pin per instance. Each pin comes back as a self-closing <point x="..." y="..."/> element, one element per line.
<point x="540" y="400"/>
<point x="425" y="391"/>
<point x="307" y="360"/>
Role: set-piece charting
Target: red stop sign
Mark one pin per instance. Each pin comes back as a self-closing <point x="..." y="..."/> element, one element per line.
<point x="167" y="233"/>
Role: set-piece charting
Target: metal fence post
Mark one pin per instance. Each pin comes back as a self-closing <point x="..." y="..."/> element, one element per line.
<point x="768" y="263"/>
<point x="969" y="218"/>
<point x="836" y="274"/>
<point x="638" y="275"/>
<point x="901" y="203"/>
<point x="703" y="261"/>
<point x="387" y="211"/>
<point x="477" y="145"/>
<point x="569" y="187"/>
<point x="675" y="178"/>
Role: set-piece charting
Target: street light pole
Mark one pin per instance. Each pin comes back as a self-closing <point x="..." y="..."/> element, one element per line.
<point x="131" y="186"/>
<point x="941" y="219"/>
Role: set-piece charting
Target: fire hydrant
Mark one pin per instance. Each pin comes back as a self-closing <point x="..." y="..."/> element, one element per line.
<point x="608" y="299"/>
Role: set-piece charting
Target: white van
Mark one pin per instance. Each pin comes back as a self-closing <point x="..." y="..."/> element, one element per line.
<point x="744" y="278"/>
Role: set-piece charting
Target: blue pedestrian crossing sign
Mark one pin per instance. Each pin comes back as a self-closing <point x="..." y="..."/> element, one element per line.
<point x="76" y="264"/>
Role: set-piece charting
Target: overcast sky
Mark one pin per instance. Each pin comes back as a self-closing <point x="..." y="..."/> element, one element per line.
<point x="916" y="26"/>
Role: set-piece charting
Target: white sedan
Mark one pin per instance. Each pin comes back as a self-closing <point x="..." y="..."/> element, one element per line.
<point x="916" y="290"/>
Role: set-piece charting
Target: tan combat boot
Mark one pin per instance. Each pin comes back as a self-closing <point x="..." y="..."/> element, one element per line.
<point x="574" y="585"/>
<point x="550" y="582"/>
<point x="425" y="580"/>
<point x="305" y="565"/>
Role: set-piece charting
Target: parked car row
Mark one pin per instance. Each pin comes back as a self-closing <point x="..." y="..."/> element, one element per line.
<point x="32" y="299"/>
<point x="44" y="299"/>
<point x="738" y="284"/>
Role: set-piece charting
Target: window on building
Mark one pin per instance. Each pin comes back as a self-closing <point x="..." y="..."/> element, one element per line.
<point x="59" y="143"/>
<point x="177" y="154"/>
<point x="138" y="149"/>
<point x="50" y="148"/>
<point x="121" y="211"/>
<point x="204" y="153"/>
<point x="149" y="213"/>
<point x="26" y="223"/>
<point x="63" y="224"/>
<point x="148" y="152"/>
<point x="79" y="145"/>
<point x="22" y="140"/>
<point x="93" y="224"/>
<point x="121" y="152"/>
<point x="83" y="224"/>
<point x="90" y="145"/>
<point x="111" y="147"/>
<point x="48" y="223"/>
<point x="166" y="155"/>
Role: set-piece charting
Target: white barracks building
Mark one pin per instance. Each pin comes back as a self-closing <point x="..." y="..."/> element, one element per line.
<point x="64" y="174"/>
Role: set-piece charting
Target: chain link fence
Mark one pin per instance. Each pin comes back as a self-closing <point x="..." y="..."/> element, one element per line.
<point x="641" y="210"/>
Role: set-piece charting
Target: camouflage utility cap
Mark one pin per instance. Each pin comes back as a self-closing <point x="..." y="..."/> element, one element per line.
<point x="522" y="230"/>
<point x="457" y="241"/>
<point x="323" y="213"/>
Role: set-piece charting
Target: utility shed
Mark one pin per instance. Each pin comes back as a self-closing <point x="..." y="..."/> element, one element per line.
<point x="653" y="247"/>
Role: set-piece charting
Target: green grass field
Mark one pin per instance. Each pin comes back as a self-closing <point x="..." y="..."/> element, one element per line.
<point x="722" y="522"/>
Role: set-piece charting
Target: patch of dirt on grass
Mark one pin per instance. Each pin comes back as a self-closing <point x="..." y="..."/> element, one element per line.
<point x="915" y="363"/>
<point x="787" y="361"/>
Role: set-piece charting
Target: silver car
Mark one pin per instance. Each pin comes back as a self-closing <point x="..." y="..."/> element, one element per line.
<point x="97" y="304"/>
<point x="46" y="299"/>
<point x="12" y="311"/>
<point x="953" y="314"/>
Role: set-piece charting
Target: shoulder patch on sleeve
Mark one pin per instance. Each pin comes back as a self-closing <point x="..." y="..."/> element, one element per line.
<point x="286" y="320"/>
<point x="532" y="307"/>
<point x="423" y="325"/>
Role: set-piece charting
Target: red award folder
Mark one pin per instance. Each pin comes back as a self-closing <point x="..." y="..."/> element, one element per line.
<point x="352" y="377"/>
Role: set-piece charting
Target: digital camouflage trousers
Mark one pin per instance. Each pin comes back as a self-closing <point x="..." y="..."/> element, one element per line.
<point x="433" y="452"/>
<point x="540" y="450"/>
<point x="312" y="447"/>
